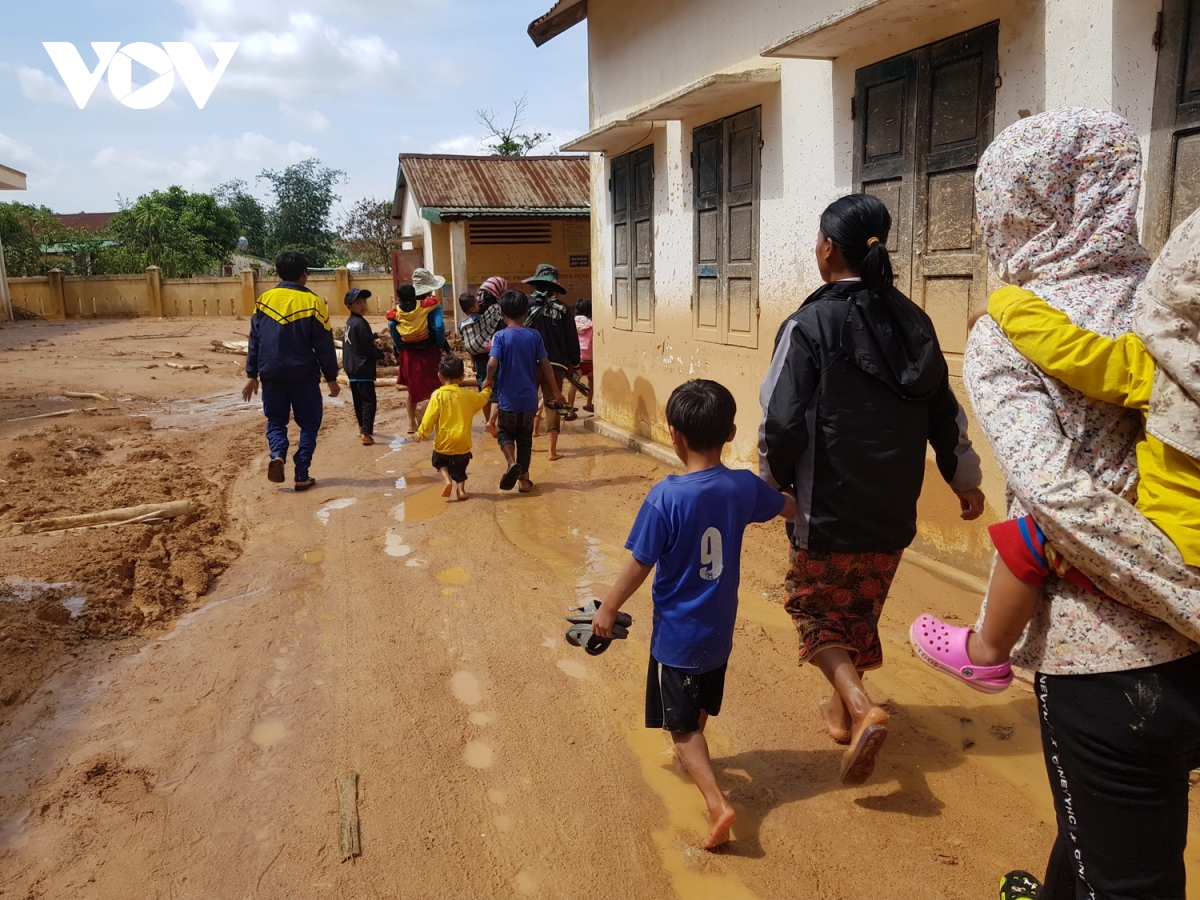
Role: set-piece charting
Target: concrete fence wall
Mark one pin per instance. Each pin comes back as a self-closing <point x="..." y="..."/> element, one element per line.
<point x="59" y="296"/>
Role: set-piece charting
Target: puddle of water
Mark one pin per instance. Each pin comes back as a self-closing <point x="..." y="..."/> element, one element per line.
<point x="447" y="592"/>
<point x="398" y="511"/>
<point x="573" y="667"/>
<point x="417" y="563"/>
<point x="453" y="575"/>
<point x="398" y="442"/>
<point x="340" y="503"/>
<point x="268" y="733"/>
<point x="480" y="718"/>
<point x="478" y="755"/>
<point x="202" y="412"/>
<point x="393" y="545"/>
<point x="401" y="482"/>
<point x="425" y="504"/>
<point x="313" y="557"/>
<point x="465" y="688"/>
<point x="25" y="589"/>
<point x="436" y="542"/>
<point x="74" y="605"/>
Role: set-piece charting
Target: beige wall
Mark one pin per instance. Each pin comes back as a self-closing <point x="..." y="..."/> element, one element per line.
<point x="1051" y="52"/>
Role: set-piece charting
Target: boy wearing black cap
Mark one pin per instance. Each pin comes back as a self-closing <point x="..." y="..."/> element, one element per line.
<point x="359" y="356"/>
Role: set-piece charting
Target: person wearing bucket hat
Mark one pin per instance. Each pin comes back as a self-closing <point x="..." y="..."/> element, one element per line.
<point x="550" y="318"/>
<point x="419" y="334"/>
<point x="359" y="356"/>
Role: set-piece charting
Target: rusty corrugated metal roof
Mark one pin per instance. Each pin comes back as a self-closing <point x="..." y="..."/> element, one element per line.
<point x="460" y="185"/>
<point x="94" y="223"/>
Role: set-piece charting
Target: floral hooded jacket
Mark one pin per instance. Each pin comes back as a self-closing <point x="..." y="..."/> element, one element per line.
<point x="1056" y="195"/>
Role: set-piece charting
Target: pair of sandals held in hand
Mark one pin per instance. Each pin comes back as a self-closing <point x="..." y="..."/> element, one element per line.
<point x="580" y="632"/>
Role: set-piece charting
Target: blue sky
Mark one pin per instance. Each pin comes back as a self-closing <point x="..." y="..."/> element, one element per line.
<point x="353" y="82"/>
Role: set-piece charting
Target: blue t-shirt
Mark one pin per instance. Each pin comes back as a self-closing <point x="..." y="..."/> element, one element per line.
<point x="519" y="350"/>
<point x="690" y="528"/>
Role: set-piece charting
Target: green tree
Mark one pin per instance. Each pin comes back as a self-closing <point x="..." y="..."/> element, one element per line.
<point x="300" y="218"/>
<point x="25" y="230"/>
<point x="183" y="233"/>
<point x="505" y="140"/>
<point x="368" y="233"/>
<point x="250" y="213"/>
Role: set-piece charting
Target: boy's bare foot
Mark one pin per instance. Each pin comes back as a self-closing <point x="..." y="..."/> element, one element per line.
<point x="555" y="455"/>
<point x="868" y="736"/>
<point x="837" y="720"/>
<point x="462" y="491"/>
<point x="718" y="832"/>
<point x="447" y="488"/>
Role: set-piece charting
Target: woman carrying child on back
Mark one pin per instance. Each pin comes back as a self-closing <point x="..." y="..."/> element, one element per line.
<point x="856" y="388"/>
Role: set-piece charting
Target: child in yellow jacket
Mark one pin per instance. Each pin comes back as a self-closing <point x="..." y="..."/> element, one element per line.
<point x="1154" y="371"/>
<point x="450" y="411"/>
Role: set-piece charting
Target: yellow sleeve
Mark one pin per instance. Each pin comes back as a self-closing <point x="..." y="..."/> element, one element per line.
<point x="1119" y="370"/>
<point x="429" y="420"/>
<point x="480" y="400"/>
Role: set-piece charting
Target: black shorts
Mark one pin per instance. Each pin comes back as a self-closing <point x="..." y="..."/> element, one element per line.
<point x="456" y="463"/>
<point x="675" y="698"/>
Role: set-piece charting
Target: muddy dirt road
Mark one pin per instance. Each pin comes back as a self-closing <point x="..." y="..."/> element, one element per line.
<point x="369" y="626"/>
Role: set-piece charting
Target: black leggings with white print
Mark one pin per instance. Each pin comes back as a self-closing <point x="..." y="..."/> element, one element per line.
<point x="1119" y="747"/>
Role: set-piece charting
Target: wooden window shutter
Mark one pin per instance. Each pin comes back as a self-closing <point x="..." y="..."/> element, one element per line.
<point x="1173" y="170"/>
<point x="641" y="251"/>
<point x="739" y="232"/>
<point x="707" y="153"/>
<point x="622" y="264"/>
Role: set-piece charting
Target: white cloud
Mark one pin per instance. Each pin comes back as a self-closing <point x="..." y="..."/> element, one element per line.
<point x="288" y="55"/>
<point x="13" y="151"/>
<point x="42" y="88"/>
<point x="198" y="167"/>
<point x="465" y="144"/>
<point x="310" y="120"/>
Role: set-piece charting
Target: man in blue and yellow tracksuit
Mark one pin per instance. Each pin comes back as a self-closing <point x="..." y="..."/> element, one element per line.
<point x="291" y="348"/>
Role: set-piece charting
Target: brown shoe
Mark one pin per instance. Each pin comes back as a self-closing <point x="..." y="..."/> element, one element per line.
<point x="275" y="471"/>
<point x="302" y="486"/>
<point x="367" y="440"/>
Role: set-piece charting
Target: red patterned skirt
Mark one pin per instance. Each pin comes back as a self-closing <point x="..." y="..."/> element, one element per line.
<point x="835" y="599"/>
<point x="419" y="371"/>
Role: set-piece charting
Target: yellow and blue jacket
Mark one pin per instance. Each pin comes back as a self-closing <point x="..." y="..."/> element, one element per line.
<point x="290" y="337"/>
<point x="1119" y="371"/>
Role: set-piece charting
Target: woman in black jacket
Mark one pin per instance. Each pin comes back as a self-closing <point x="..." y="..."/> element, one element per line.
<point x="857" y="386"/>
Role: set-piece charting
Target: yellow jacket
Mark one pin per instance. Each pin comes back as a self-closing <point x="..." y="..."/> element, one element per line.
<point x="450" y="410"/>
<point x="1119" y="371"/>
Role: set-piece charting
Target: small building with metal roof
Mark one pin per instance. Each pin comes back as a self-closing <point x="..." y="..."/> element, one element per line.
<point x="468" y="218"/>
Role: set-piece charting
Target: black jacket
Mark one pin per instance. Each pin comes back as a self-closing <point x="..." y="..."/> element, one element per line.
<point x="550" y="318"/>
<point x="290" y="337"/>
<point x="857" y="386"/>
<point x="359" y="353"/>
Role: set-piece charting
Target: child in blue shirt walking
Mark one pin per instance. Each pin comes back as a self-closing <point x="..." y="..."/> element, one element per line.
<point x="690" y="530"/>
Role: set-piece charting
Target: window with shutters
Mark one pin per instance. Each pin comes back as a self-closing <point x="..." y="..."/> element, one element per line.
<point x="725" y="161"/>
<point x="632" y="188"/>
<point x="921" y="122"/>
<point x="1173" y="170"/>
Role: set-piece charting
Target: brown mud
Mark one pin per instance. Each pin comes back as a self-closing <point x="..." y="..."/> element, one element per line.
<point x="192" y="748"/>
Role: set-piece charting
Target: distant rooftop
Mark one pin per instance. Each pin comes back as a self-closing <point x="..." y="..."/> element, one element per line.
<point x="93" y="223"/>
<point x="460" y="187"/>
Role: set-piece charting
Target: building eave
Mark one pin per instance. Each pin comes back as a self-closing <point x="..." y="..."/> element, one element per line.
<point x="11" y="179"/>
<point x="563" y="15"/>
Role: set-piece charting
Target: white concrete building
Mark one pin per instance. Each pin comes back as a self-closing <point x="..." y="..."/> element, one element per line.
<point x="10" y="180"/>
<point x="721" y="130"/>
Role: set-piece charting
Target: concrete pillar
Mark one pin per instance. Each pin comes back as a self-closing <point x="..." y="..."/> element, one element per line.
<point x="6" y="312"/>
<point x="341" y="284"/>
<point x="248" y="292"/>
<point x="58" y="295"/>
<point x="154" y="291"/>
<point x="458" y="265"/>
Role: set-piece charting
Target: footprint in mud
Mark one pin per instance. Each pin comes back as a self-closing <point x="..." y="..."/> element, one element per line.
<point x="268" y="733"/>
<point x="465" y="688"/>
<point x="573" y="667"/>
<point x="480" y="718"/>
<point x="453" y="575"/>
<point x="478" y="755"/>
<point x="499" y="798"/>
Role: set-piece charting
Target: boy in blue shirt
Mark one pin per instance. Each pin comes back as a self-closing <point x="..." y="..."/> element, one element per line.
<point x="517" y="359"/>
<point x="690" y="529"/>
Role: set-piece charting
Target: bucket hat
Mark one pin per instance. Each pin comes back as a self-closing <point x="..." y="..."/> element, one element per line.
<point x="425" y="282"/>
<point x="546" y="276"/>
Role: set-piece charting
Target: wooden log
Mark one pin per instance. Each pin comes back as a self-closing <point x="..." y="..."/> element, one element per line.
<point x="146" y="514"/>
<point x="85" y="395"/>
<point x="348" y="837"/>
<point x="51" y="415"/>
<point x="187" y="367"/>
<point x="239" y="347"/>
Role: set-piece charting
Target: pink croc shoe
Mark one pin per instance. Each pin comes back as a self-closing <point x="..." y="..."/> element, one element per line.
<point x="945" y="648"/>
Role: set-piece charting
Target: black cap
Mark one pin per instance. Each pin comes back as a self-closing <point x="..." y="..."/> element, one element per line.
<point x="356" y="294"/>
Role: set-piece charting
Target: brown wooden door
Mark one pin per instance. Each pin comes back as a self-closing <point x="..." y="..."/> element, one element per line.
<point x="1173" y="173"/>
<point x="926" y="118"/>
<point x="725" y="158"/>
